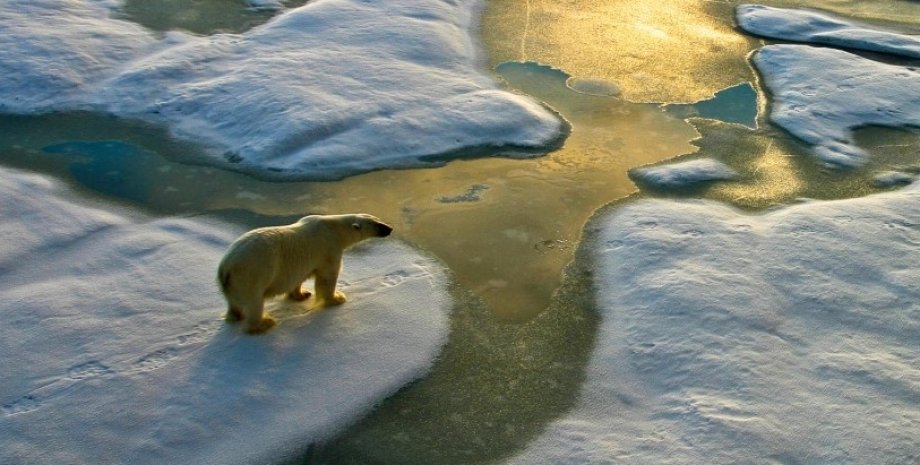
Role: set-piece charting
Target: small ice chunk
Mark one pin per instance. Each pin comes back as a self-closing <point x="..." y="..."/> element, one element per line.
<point x="892" y="178"/>
<point x="683" y="174"/>
<point x="265" y="5"/>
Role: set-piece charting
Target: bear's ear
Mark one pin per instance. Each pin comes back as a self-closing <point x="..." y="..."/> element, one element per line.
<point x="357" y="226"/>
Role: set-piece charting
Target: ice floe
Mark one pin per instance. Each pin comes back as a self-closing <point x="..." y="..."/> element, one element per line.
<point x="330" y="89"/>
<point x="727" y="338"/>
<point x="819" y="28"/>
<point x="821" y="95"/>
<point x="683" y="174"/>
<point x="114" y="350"/>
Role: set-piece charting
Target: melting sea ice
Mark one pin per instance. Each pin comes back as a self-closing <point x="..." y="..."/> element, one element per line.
<point x="518" y="352"/>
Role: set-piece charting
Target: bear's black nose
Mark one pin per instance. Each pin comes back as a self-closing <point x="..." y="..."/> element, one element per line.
<point x="384" y="230"/>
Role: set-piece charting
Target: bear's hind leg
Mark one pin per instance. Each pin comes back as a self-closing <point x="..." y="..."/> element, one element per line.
<point x="298" y="294"/>
<point x="233" y="314"/>
<point x="254" y="321"/>
<point x="264" y="324"/>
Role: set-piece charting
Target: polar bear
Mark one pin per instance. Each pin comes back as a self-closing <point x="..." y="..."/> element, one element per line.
<point x="276" y="260"/>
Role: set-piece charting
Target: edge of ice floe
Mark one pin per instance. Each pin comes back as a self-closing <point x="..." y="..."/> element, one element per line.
<point x="815" y="27"/>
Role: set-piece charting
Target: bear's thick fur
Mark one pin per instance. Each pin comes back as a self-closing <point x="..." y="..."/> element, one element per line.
<point x="271" y="261"/>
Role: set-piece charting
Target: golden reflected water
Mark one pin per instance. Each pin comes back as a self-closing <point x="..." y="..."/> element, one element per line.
<point x="657" y="51"/>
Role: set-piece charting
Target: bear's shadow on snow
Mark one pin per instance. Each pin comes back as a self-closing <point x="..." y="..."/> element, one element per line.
<point x="239" y="366"/>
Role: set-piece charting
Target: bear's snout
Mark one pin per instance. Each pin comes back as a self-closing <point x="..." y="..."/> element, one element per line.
<point x="384" y="230"/>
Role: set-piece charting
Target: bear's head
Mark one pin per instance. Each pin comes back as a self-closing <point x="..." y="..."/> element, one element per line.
<point x="369" y="226"/>
<point x="350" y="228"/>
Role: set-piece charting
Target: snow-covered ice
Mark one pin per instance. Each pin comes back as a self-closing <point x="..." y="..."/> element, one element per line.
<point x="683" y="174"/>
<point x="820" y="28"/>
<point x="787" y="337"/>
<point x="330" y="89"/>
<point x="821" y="95"/>
<point x="114" y="350"/>
<point x="893" y="178"/>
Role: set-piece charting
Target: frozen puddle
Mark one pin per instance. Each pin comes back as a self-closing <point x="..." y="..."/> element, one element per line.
<point x="111" y="167"/>
<point x="115" y="351"/>
<point x="406" y="90"/>
<point x="732" y="338"/>
<point x="202" y="16"/>
<point x="736" y="104"/>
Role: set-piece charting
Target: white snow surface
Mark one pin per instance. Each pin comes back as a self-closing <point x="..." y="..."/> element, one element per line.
<point x="326" y="90"/>
<point x="684" y="174"/>
<point x="114" y="350"/>
<point x="726" y="338"/>
<point x="820" y="28"/>
<point x="821" y="95"/>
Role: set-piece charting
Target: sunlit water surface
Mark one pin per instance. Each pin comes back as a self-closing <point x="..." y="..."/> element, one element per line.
<point x="523" y="328"/>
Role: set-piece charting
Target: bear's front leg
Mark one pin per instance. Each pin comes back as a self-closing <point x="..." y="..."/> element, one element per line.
<point x="326" y="281"/>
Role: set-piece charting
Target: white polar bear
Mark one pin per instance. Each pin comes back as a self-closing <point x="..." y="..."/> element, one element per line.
<point x="270" y="261"/>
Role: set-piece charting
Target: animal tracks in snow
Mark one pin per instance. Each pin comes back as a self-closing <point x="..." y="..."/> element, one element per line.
<point x="396" y="278"/>
<point x="89" y="369"/>
<point x="24" y="404"/>
<point x="98" y="369"/>
<point x="200" y="333"/>
<point x="154" y="360"/>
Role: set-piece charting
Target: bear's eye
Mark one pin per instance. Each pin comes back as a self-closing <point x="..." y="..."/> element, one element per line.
<point x="357" y="226"/>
